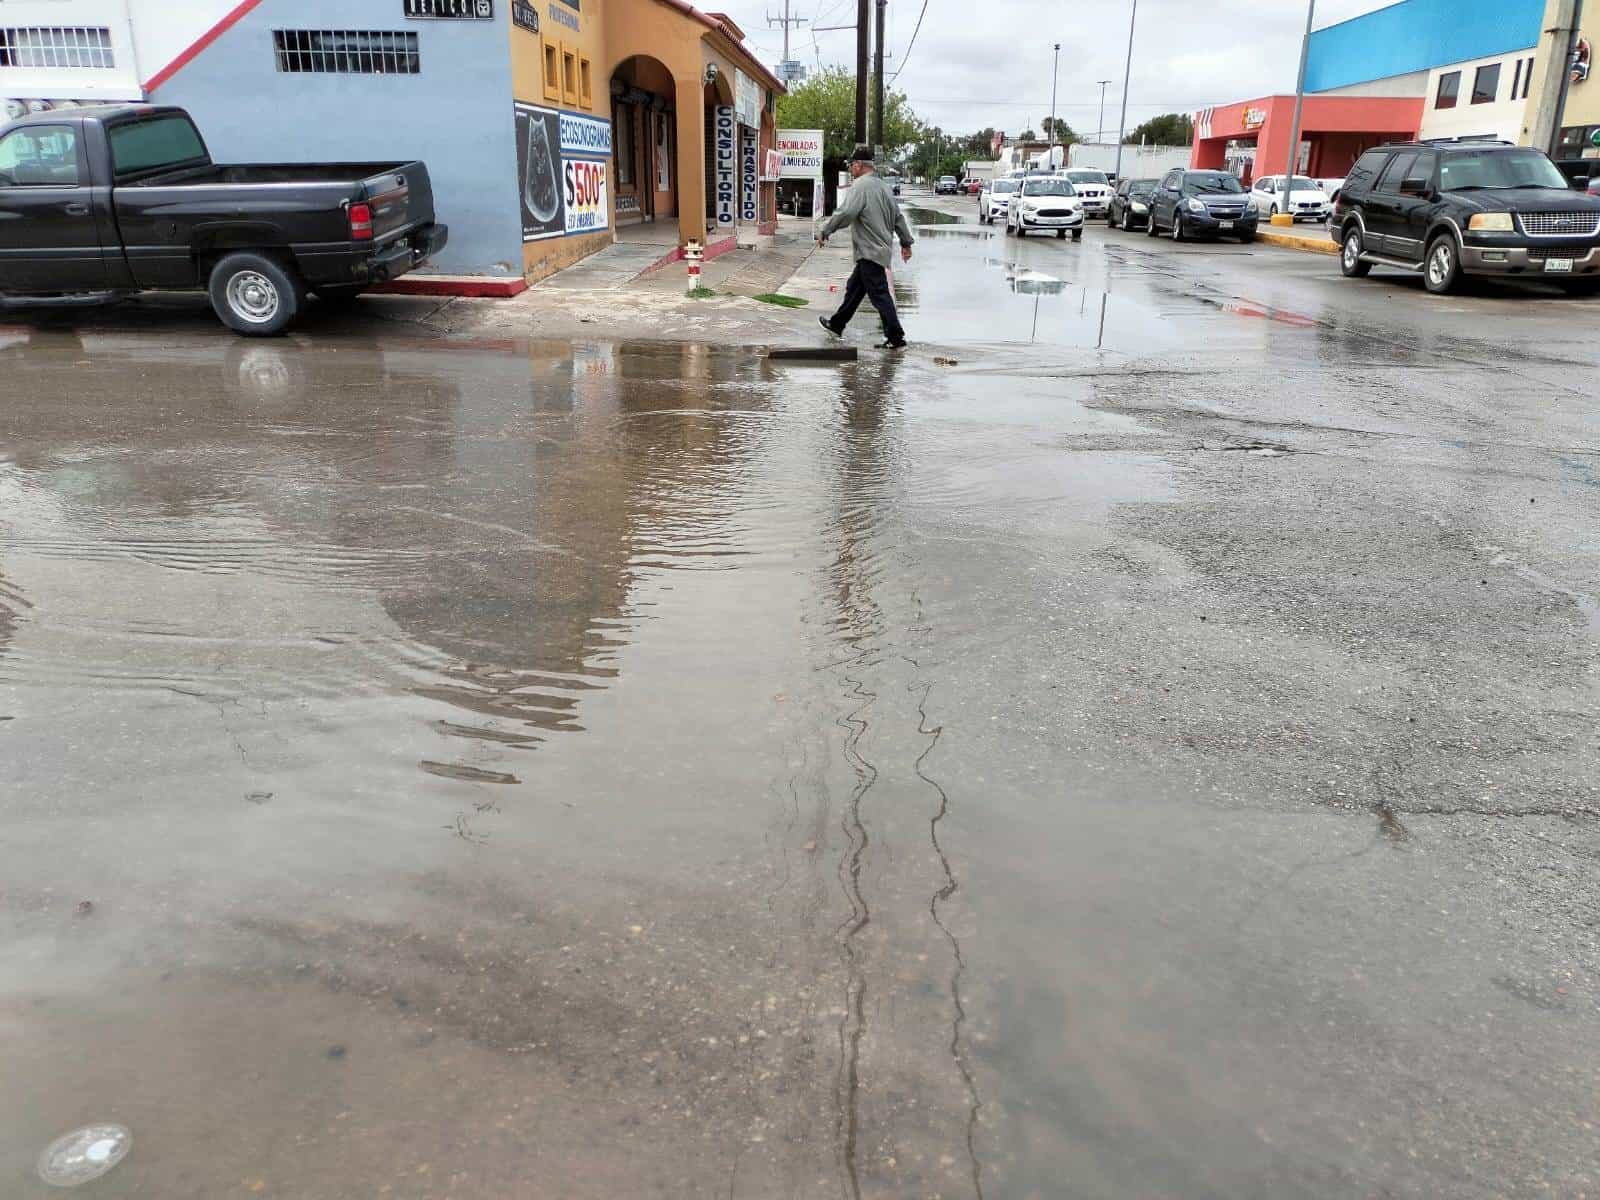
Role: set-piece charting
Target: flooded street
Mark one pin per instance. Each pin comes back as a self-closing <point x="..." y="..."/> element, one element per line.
<point x="1140" y="742"/>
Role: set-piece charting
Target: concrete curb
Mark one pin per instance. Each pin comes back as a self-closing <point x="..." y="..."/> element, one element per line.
<point x="1290" y="241"/>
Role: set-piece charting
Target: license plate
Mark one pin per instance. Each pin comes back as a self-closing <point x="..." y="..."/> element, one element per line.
<point x="1558" y="266"/>
<point x="1225" y="224"/>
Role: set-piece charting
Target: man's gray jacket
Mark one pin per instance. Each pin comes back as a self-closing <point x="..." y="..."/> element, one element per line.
<point x="874" y="218"/>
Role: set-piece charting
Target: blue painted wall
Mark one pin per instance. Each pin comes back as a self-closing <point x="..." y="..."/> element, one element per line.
<point x="455" y="115"/>
<point x="1417" y="35"/>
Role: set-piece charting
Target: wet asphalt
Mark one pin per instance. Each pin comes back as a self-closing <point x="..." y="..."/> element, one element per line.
<point x="1140" y="742"/>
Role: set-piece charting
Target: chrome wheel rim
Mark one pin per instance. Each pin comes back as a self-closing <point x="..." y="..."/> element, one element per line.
<point x="1352" y="250"/>
<point x="1439" y="264"/>
<point x="253" y="297"/>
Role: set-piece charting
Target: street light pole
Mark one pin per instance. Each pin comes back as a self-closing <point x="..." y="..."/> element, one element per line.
<point x="1055" y="74"/>
<point x="877" y="82"/>
<point x="1294" y="130"/>
<point x="1566" y="79"/>
<point x="1127" y="71"/>
<point x="863" y="44"/>
<point x="1100" y="129"/>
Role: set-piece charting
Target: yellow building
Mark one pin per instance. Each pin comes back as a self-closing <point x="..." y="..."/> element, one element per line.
<point x="1580" y="118"/>
<point x="631" y="116"/>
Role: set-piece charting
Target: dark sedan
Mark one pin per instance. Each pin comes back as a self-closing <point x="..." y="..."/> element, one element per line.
<point x="1130" y="203"/>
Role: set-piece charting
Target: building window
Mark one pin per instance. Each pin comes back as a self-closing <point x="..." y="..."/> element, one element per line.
<point x="552" y="72"/>
<point x="1486" y="84"/>
<point x="569" y="76"/>
<point x="622" y="124"/>
<point x="1527" y="78"/>
<point x="1449" y="86"/>
<point x="585" y="83"/>
<point x="347" y="52"/>
<point x="1516" y="81"/>
<point x="56" y="46"/>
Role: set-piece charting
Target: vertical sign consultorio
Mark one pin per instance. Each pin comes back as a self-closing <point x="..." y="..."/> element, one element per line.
<point x="727" y="174"/>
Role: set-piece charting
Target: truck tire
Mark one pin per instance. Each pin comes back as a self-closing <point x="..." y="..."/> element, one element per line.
<point x="255" y="295"/>
<point x="1441" y="269"/>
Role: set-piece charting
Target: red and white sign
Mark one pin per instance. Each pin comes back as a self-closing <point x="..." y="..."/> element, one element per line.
<point x="584" y="181"/>
<point x="800" y="153"/>
<point x="1254" y="118"/>
<point x="771" y="165"/>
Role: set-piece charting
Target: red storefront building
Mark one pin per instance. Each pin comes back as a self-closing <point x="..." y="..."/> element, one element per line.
<point x="1252" y="138"/>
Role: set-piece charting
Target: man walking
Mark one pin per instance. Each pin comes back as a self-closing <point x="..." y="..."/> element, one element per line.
<point x="875" y="219"/>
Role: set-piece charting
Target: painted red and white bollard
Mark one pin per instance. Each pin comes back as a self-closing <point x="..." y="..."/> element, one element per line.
<point x="693" y="254"/>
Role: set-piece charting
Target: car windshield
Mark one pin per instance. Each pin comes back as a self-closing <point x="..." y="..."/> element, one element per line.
<point x="947" y="179"/>
<point x="1047" y="187"/>
<point x="1088" y="177"/>
<point x="1205" y="185"/>
<point x="1302" y="184"/>
<point x="1498" y="169"/>
<point x="1141" y="187"/>
<point x="1005" y="185"/>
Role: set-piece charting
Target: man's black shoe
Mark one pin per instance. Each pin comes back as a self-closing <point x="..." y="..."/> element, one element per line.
<point x="823" y="321"/>
<point x="901" y="345"/>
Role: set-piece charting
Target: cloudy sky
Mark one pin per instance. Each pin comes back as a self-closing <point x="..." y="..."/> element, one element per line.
<point x="987" y="63"/>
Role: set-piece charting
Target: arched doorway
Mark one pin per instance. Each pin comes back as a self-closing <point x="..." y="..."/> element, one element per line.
<point x="644" y="141"/>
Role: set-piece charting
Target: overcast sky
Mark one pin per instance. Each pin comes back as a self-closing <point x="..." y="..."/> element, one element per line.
<point x="980" y="63"/>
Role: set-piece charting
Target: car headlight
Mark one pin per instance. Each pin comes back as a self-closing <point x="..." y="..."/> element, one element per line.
<point x="1251" y="204"/>
<point x="1138" y="207"/>
<point x="1194" y="205"/>
<point x="1490" y="223"/>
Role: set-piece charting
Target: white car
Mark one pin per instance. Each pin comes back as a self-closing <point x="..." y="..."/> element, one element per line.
<point x="1045" y="202"/>
<point x="995" y="199"/>
<point x="1331" y="186"/>
<point x="1093" y="188"/>
<point x="1307" y="201"/>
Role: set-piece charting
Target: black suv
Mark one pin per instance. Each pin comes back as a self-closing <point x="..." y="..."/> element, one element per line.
<point x="1192" y="203"/>
<point x="1450" y="209"/>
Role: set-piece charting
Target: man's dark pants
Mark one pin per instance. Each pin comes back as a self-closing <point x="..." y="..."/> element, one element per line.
<point x="869" y="281"/>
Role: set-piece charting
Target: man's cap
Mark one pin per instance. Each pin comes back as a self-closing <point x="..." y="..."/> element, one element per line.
<point x="861" y="154"/>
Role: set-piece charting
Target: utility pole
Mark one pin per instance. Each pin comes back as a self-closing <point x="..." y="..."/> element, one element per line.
<point x="877" y="83"/>
<point x="1294" y="129"/>
<point x="863" y="44"/>
<point x="1055" y="75"/>
<point x="1127" y="73"/>
<point x="1544" y="107"/>
<point x="1100" y="129"/>
<point x="1566" y="79"/>
<point x="786" y="20"/>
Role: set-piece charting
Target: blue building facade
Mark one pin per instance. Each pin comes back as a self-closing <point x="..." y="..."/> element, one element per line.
<point x="1418" y="35"/>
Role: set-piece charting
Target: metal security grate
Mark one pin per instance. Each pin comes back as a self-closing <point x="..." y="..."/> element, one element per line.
<point x="347" y="51"/>
<point x="56" y="46"/>
<point x="1560" y="224"/>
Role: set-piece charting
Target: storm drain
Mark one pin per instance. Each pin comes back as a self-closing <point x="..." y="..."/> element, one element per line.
<point x="84" y="1154"/>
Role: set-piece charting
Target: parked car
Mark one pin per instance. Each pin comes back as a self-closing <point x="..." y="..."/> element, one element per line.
<point x="974" y="185"/>
<point x="947" y="186"/>
<point x="1092" y="188"/>
<point x="99" y="202"/>
<point x="1473" y="208"/>
<point x="1195" y="203"/>
<point x="995" y="199"/>
<point x="1306" y="201"/>
<point x="1045" y="202"/>
<point x="1331" y="186"/>
<point x="1130" y="203"/>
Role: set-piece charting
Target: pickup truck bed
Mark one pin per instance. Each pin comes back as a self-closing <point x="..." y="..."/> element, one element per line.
<point x="99" y="202"/>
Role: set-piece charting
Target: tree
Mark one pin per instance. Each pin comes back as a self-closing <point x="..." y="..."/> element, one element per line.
<point x="1170" y="129"/>
<point x="827" y="101"/>
<point x="1062" y="131"/>
<point x="980" y="144"/>
<point x="1027" y="135"/>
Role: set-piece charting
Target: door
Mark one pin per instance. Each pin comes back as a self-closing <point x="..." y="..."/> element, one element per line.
<point x="1415" y="204"/>
<point x="1165" y="202"/>
<point x="48" y="238"/>
<point x="1386" y="226"/>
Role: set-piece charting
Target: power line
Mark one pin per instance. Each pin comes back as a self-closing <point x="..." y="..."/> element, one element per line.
<point x="916" y="30"/>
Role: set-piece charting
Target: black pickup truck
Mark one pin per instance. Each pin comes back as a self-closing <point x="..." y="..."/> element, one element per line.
<point x="100" y="202"/>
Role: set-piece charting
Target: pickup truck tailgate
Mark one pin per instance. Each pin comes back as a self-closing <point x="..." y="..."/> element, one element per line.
<point x="401" y="199"/>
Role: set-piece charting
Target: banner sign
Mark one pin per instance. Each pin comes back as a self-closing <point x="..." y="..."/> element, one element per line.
<point x="727" y="186"/>
<point x="800" y="152"/>
<point x="771" y="166"/>
<point x="468" y="10"/>
<point x="562" y="172"/>
<point x="746" y="99"/>
<point x="749" y="152"/>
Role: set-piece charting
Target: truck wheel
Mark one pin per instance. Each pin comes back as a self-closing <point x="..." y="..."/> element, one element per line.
<point x="1442" y="265"/>
<point x="338" y="293"/>
<point x="1350" y="256"/>
<point x="254" y="295"/>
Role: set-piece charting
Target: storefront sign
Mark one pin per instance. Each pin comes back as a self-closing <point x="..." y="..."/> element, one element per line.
<point x="565" y="18"/>
<point x="467" y="10"/>
<point x="1581" y="55"/>
<point x="727" y="183"/>
<point x="749" y="153"/>
<point x="800" y="151"/>
<point x="771" y="166"/>
<point x="562" y="172"/>
<point x="1254" y="118"/>
<point x="746" y="99"/>
<point x="524" y="16"/>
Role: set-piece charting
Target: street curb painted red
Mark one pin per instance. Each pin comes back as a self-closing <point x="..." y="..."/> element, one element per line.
<point x="713" y="250"/>
<point x="447" y="285"/>
<point x="195" y="49"/>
